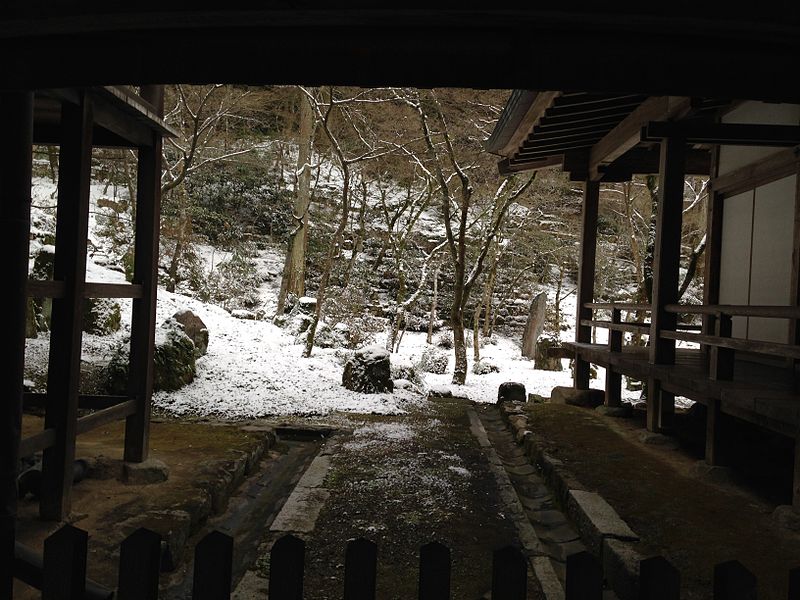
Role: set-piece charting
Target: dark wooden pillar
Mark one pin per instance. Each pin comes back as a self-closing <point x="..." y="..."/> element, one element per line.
<point x="667" y="256"/>
<point x="713" y="259"/>
<point x="586" y="267"/>
<point x="16" y="113"/>
<point x="614" y="377"/>
<point x="666" y="271"/>
<point x="63" y="379"/>
<point x="145" y="272"/>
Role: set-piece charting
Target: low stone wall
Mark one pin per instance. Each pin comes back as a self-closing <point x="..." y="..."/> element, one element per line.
<point x="602" y="530"/>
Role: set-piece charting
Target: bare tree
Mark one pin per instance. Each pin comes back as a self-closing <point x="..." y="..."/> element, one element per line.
<point x="294" y="268"/>
<point x="459" y="197"/>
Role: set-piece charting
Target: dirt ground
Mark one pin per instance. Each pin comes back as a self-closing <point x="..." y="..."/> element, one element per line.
<point x="694" y="523"/>
<point x="109" y="509"/>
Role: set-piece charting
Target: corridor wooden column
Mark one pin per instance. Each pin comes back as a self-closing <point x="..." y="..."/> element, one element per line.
<point x="145" y="272"/>
<point x="586" y="269"/>
<point x="63" y="378"/>
<point x="16" y="114"/>
<point x="666" y="271"/>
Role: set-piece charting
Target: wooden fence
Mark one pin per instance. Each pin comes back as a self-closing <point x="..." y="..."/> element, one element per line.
<point x="61" y="574"/>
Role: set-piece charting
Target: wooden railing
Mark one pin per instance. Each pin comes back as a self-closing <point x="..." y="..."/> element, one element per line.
<point x="722" y="346"/>
<point x="61" y="572"/>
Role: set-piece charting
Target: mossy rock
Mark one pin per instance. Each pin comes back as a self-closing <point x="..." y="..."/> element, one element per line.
<point x="101" y="316"/>
<point x="174" y="361"/>
<point x="542" y="359"/>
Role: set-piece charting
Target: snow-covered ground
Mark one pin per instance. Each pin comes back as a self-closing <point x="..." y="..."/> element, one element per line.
<point x="254" y="368"/>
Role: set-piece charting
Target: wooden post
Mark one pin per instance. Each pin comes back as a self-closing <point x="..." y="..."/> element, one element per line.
<point x="361" y="560"/>
<point x="145" y="273"/>
<point x="586" y="269"/>
<point x="286" y="568"/>
<point x="434" y="572"/>
<point x="713" y="432"/>
<point x="796" y="477"/>
<point x="613" y="377"/>
<point x="63" y="379"/>
<point x="139" y="566"/>
<point x="16" y="111"/>
<point x="584" y="579"/>
<point x="658" y="579"/>
<point x="509" y="574"/>
<point x="714" y="212"/>
<point x="213" y="567"/>
<point x="666" y="260"/>
<point x="64" y="570"/>
<point x="794" y="584"/>
<point x="732" y="581"/>
<point x="721" y="360"/>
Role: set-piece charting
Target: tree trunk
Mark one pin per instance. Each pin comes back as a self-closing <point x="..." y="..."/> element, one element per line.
<point x="294" y="268"/>
<point x="432" y="317"/>
<point x="476" y="328"/>
<point x="459" y="346"/>
<point x="333" y="253"/>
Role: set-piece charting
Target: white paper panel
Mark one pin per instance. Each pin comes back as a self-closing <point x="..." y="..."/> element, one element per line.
<point x="734" y="285"/>
<point x="771" y="271"/>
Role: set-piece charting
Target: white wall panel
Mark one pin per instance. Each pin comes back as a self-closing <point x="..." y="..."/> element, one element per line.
<point x="734" y="284"/>
<point x="733" y="157"/>
<point x="771" y="259"/>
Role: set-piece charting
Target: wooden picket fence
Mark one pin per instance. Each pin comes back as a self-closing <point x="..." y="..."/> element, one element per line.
<point x="61" y="575"/>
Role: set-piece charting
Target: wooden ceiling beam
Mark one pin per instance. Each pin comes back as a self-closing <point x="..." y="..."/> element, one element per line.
<point x="627" y="133"/>
<point x="646" y="161"/>
<point x="540" y="104"/>
<point x="563" y="123"/>
<point x="551" y="134"/>
<point x="623" y="103"/>
<point x="508" y="167"/>
<point x="733" y="134"/>
<point x="581" y="142"/>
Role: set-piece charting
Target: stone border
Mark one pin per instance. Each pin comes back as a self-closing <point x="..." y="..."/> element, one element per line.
<point x="602" y="530"/>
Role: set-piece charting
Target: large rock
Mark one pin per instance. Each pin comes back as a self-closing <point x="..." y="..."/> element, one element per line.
<point x="534" y="325"/>
<point x="511" y="391"/>
<point x="369" y="371"/>
<point x="574" y="397"/>
<point x="144" y="473"/>
<point x="174" y="361"/>
<point x="194" y="327"/>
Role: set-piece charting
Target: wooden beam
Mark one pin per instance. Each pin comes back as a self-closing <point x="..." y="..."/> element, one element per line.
<point x="782" y="163"/>
<point x="733" y="134"/>
<point x="16" y="115"/>
<point x="586" y="271"/>
<point x="113" y="290"/>
<point x="608" y="104"/>
<point x="107" y="415"/>
<point x="505" y="167"/>
<point x="666" y="261"/>
<point x="145" y="273"/>
<point x="610" y="117"/>
<point x="646" y="161"/>
<point x="37" y="442"/>
<point x="63" y="380"/>
<point x="627" y="133"/>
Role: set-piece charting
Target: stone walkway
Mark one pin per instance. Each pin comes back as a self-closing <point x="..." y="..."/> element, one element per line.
<point x="403" y="481"/>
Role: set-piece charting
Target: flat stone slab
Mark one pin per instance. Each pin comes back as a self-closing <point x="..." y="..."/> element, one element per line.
<point x="300" y="513"/>
<point x="145" y="473"/>
<point x="574" y="397"/>
<point x="596" y="519"/>
<point x="659" y="439"/>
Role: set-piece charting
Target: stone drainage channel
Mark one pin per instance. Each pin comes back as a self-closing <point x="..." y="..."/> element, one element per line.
<point x="259" y="502"/>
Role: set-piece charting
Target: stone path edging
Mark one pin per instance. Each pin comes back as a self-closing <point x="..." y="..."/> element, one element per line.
<point x="603" y="531"/>
<point x="539" y="560"/>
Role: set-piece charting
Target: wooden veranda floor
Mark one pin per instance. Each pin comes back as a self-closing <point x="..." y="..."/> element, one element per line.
<point x="763" y="394"/>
